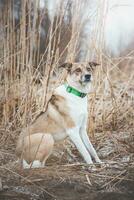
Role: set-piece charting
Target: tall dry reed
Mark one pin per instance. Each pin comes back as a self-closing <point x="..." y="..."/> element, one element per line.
<point x="28" y="68"/>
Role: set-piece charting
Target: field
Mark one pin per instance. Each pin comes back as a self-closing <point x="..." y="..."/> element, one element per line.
<point x="28" y="74"/>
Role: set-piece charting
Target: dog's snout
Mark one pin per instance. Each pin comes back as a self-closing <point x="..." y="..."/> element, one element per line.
<point x="87" y="77"/>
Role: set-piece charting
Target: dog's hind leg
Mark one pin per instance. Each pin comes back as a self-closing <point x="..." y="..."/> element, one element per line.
<point x="37" y="148"/>
<point x="45" y="159"/>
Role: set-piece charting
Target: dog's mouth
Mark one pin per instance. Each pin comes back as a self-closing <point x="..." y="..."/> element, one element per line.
<point x="87" y="80"/>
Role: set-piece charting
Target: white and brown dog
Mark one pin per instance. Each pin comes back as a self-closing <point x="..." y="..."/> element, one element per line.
<point x="66" y="116"/>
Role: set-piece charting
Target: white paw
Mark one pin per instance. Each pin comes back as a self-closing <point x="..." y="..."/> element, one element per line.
<point x="34" y="164"/>
<point x="25" y="164"/>
<point x="92" y="168"/>
<point x="97" y="160"/>
<point x="101" y="164"/>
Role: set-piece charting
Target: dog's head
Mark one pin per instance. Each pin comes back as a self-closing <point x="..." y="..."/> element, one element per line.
<point x="80" y="75"/>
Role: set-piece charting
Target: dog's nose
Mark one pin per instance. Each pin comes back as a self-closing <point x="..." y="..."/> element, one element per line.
<point x="87" y="77"/>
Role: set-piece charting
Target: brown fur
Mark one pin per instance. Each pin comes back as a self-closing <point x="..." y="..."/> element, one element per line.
<point x="88" y="66"/>
<point x="34" y="147"/>
<point x="55" y="119"/>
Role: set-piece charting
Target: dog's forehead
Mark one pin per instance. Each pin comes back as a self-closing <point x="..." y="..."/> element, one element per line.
<point x="80" y="65"/>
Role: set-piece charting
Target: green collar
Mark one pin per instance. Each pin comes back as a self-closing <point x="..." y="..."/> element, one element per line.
<point x="74" y="91"/>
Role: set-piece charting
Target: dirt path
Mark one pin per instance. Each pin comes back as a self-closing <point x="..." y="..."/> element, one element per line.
<point x="68" y="182"/>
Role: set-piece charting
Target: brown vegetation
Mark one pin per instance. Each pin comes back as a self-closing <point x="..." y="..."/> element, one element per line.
<point x="28" y="75"/>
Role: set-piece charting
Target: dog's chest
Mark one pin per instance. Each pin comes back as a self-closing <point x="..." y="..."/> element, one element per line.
<point x="77" y="109"/>
<point x="77" y="106"/>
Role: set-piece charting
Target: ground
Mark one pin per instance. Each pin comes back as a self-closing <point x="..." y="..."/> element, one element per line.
<point x="72" y="180"/>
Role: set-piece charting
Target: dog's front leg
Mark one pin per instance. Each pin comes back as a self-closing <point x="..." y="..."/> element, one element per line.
<point x="76" y="139"/>
<point x="88" y="144"/>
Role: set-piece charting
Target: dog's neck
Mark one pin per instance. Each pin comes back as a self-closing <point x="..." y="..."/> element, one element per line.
<point x="85" y="88"/>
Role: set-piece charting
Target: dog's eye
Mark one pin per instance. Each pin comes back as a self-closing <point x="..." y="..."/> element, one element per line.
<point x="88" y="69"/>
<point x="78" y="70"/>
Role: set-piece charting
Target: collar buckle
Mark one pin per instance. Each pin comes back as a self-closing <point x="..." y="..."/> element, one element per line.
<point x="82" y="95"/>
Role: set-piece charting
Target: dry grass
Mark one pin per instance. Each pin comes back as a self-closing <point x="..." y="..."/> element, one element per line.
<point x="27" y="72"/>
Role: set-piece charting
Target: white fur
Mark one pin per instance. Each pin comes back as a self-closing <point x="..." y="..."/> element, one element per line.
<point x="78" y="112"/>
<point x="34" y="164"/>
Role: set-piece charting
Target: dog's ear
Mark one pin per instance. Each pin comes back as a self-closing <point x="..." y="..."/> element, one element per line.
<point x="67" y="66"/>
<point x="93" y="65"/>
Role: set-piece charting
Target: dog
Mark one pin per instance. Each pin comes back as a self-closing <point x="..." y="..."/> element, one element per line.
<point x="66" y="116"/>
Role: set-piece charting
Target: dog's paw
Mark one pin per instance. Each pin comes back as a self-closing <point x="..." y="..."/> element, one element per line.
<point x="33" y="165"/>
<point x="25" y="164"/>
<point x="101" y="164"/>
<point x="36" y="164"/>
<point x="97" y="160"/>
<point x="92" y="168"/>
